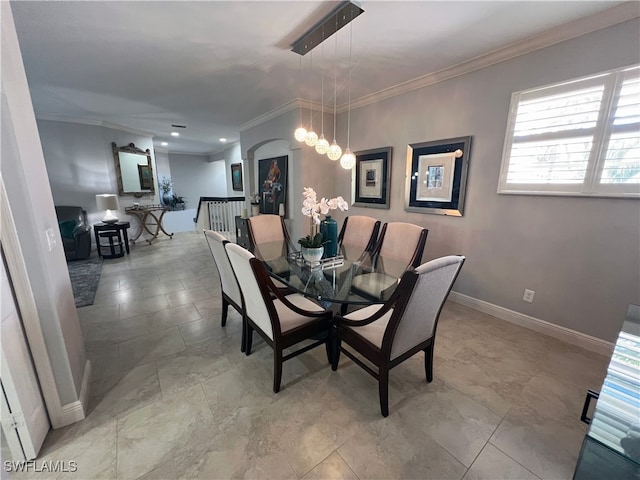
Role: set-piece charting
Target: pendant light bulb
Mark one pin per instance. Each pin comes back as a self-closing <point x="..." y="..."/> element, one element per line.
<point x="311" y="139"/>
<point x="322" y="146"/>
<point x="334" y="151"/>
<point x="300" y="134"/>
<point x="348" y="160"/>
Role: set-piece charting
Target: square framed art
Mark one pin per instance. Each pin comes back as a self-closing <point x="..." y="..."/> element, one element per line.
<point x="437" y="176"/>
<point x="371" y="178"/>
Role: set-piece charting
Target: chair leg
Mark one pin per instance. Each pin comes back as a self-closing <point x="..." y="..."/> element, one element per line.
<point x="328" y="345"/>
<point x="225" y="310"/>
<point x="243" y="340"/>
<point x="383" y="388"/>
<point x="277" y="369"/>
<point x="248" y="340"/>
<point x="335" y="347"/>
<point x="428" y="363"/>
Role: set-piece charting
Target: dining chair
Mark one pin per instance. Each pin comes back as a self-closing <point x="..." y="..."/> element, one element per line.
<point x="387" y="335"/>
<point x="282" y="321"/>
<point x="399" y="247"/>
<point x="229" y="285"/>
<point x="358" y="234"/>
<point x="270" y="241"/>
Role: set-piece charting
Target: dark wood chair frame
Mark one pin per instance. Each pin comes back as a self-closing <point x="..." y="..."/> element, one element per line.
<point x="372" y="240"/>
<point x="318" y="328"/>
<point x="381" y="357"/>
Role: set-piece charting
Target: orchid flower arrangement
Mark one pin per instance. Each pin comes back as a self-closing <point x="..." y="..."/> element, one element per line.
<point x="313" y="208"/>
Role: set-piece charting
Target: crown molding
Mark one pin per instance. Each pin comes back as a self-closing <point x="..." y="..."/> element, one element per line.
<point x="160" y="149"/>
<point x="581" y="26"/>
<point x="93" y="122"/>
<point x="282" y="109"/>
<point x="177" y="152"/>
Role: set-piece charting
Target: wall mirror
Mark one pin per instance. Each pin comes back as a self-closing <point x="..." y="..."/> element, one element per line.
<point x="133" y="169"/>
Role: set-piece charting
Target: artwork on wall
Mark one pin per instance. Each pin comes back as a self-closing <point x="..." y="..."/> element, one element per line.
<point x="272" y="184"/>
<point x="144" y="174"/>
<point x="236" y="177"/>
<point x="437" y="176"/>
<point x="370" y="182"/>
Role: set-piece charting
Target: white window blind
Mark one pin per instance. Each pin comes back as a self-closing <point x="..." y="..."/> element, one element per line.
<point x="576" y="138"/>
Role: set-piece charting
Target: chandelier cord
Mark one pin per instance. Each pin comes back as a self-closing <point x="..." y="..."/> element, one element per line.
<point x="322" y="87"/>
<point x="350" y="74"/>
<point x="335" y="83"/>
<point x="310" y="96"/>
<point x="300" y="76"/>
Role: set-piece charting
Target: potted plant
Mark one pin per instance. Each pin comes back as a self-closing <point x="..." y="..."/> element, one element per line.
<point x="255" y="204"/>
<point x="312" y="247"/>
<point x="313" y="244"/>
<point x="166" y="185"/>
<point x="177" y="202"/>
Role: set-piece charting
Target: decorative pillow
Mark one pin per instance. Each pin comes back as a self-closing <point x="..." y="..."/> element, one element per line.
<point x="66" y="228"/>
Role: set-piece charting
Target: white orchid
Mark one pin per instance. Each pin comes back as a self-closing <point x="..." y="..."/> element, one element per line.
<point x="313" y="209"/>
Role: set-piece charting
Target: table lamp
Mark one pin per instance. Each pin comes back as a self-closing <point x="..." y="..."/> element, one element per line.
<point x="108" y="202"/>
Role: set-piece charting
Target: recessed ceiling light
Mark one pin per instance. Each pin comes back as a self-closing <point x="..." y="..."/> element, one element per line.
<point x="175" y="134"/>
<point x="164" y="144"/>
<point x="223" y="140"/>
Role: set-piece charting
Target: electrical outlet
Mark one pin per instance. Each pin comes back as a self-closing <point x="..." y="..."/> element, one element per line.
<point x="51" y="238"/>
<point x="528" y="295"/>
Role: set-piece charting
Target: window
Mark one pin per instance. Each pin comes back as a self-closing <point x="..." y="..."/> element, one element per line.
<point x="575" y="138"/>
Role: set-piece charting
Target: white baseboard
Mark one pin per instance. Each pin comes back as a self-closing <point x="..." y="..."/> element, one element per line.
<point x="556" y="331"/>
<point x="76" y="411"/>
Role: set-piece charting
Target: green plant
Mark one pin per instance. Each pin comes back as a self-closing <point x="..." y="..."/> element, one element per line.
<point x="175" y="200"/>
<point x="312" y="242"/>
<point x="166" y="184"/>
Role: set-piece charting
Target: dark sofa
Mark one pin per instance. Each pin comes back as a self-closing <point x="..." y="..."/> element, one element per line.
<point x="75" y="232"/>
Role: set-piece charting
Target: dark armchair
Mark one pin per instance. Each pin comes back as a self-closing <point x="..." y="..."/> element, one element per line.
<point x="75" y="232"/>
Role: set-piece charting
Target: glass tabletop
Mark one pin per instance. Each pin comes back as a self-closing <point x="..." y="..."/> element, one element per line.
<point x="346" y="278"/>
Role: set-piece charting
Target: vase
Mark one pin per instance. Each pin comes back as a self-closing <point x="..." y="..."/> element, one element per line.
<point x="166" y="199"/>
<point x="255" y="210"/>
<point x="329" y="230"/>
<point x="312" y="255"/>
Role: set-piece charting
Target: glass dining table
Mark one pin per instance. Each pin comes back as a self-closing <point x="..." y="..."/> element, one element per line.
<point x="347" y="279"/>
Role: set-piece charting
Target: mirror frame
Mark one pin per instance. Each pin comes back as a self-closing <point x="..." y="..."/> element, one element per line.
<point x="131" y="148"/>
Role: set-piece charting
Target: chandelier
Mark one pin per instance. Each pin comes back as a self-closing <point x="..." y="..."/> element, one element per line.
<point x="342" y="15"/>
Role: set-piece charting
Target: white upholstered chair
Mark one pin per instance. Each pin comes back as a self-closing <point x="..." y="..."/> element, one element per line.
<point x="230" y="290"/>
<point x="386" y="335"/>
<point x="282" y="321"/>
<point x="399" y="247"/>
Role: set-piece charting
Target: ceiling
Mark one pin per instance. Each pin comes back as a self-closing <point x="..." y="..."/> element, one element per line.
<point x="214" y="66"/>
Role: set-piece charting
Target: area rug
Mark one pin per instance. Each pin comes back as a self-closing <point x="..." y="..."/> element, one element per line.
<point x="85" y="275"/>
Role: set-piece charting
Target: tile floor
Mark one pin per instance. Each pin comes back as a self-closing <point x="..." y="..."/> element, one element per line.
<point x="173" y="397"/>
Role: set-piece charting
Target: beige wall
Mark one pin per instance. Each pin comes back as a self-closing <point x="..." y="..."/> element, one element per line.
<point x="580" y="255"/>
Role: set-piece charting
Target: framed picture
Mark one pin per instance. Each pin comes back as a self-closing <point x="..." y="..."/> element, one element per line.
<point x="144" y="175"/>
<point x="272" y="184"/>
<point x="371" y="178"/>
<point x="437" y="176"/>
<point x="236" y="177"/>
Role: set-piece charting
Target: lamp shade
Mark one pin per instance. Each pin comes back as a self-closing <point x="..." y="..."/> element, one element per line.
<point x="109" y="203"/>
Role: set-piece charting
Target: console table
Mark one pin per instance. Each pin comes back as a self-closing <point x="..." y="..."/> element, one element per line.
<point x="149" y="220"/>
